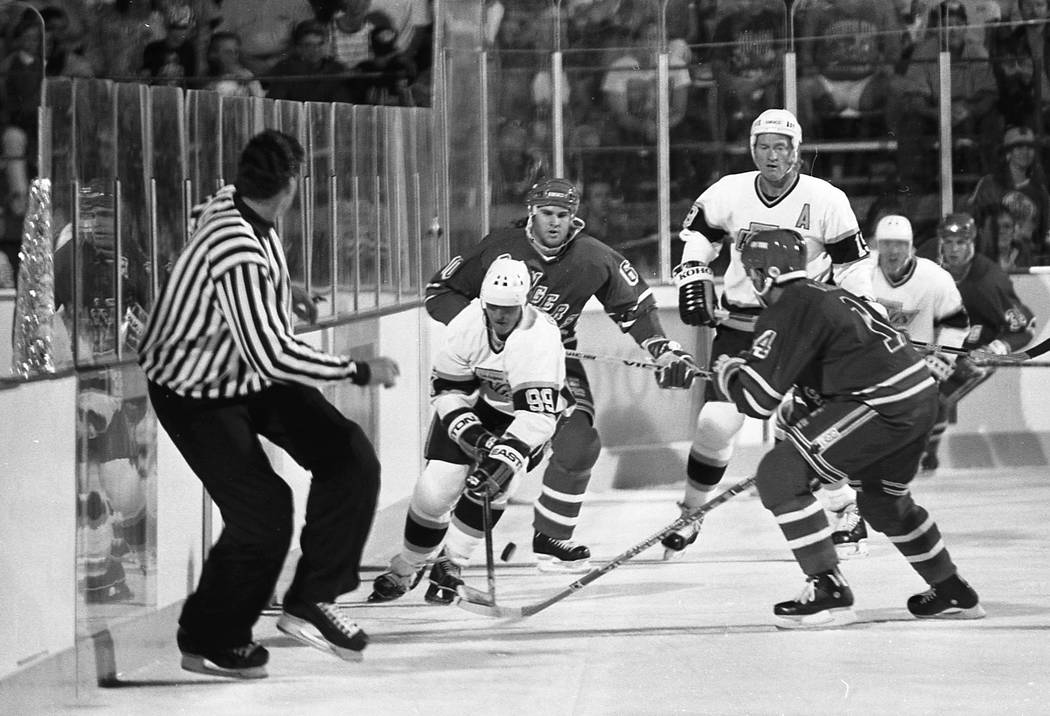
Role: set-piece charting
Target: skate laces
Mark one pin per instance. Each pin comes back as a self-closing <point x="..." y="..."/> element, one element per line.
<point x="244" y="651"/>
<point x="337" y="620"/>
<point x="849" y="517"/>
<point x="928" y="596"/>
<point x="809" y="592"/>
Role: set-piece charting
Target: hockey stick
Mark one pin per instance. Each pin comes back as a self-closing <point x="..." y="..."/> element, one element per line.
<point x="465" y="590"/>
<point x="494" y="610"/>
<point x="629" y="362"/>
<point x="988" y="357"/>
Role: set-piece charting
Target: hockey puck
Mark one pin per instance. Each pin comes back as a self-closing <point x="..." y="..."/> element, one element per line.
<point x="508" y="551"/>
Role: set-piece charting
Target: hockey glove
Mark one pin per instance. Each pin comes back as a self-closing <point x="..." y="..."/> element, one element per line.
<point x="466" y="430"/>
<point x="990" y="352"/>
<point x="696" y="293"/>
<point x="677" y="368"/>
<point x="725" y="366"/>
<point x="495" y="471"/>
<point x="941" y="366"/>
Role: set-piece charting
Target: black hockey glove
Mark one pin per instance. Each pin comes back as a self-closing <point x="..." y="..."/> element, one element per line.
<point x="677" y="368"/>
<point x="696" y="293"/>
<point x="493" y="474"/>
<point x="473" y="438"/>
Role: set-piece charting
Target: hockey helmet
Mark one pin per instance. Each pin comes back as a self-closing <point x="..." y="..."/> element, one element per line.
<point x="774" y="257"/>
<point x="894" y="227"/>
<point x="958" y="224"/>
<point x="777" y="121"/>
<point x="554" y="192"/>
<point x="506" y="283"/>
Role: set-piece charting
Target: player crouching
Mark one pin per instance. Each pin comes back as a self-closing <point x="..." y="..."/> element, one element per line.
<point x="497" y="389"/>
<point x="874" y="404"/>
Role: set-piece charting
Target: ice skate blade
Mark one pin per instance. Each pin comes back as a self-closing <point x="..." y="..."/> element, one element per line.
<point x="305" y="632"/>
<point x="546" y="563"/>
<point x="852" y="550"/>
<point x="673" y="555"/>
<point x="974" y="612"/>
<point x="201" y="665"/>
<point x="827" y="619"/>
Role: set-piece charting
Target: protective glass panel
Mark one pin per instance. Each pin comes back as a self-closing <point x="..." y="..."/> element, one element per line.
<point x="321" y="170"/>
<point x="169" y="201"/>
<point x="133" y="207"/>
<point x="238" y="126"/>
<point x="60" y="97"/>
<point x="366" y="207"/>
<point x="390" y="171"/>
<point x="347" y="219"/>
<point x="93" y="242"/>
<point x="204" y="143"/>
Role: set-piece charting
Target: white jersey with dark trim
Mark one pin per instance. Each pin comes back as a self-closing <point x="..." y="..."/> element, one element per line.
<point x="820" y="212"/>
<point x="924" y="303"/>
<point x="523" y="377"/>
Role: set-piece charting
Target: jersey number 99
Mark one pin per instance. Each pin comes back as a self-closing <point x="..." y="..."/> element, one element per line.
<point x="540" y="400"/>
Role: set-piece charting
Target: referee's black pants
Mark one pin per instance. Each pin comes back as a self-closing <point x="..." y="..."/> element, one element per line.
<point x="220" y="441"/>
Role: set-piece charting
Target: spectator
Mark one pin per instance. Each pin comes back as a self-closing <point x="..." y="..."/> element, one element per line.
<point x="914" y="104"/>
<point x="1018" y="170"/>
<point x="874" y="29"/>
<point x="1013" y="232"/>
<point x="63" y="50"/>
<point x="265" y="28"/>
<point x="350" y="24"/>
<point x="1018" y="51"/>
<point x="203" y="17"/>
<point x="22" y="72"/>
<point x="126" y="29"/>
<point x="327" y="81"/>
<point x="846" y="84"/>
<point x="746" y="68"/>
<point x="226" y="74"/>
<point x="388" y="73"/>
<point x="172" y="60"/>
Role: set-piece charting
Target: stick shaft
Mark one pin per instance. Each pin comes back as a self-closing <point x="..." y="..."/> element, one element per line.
<point x="629" y="362"/>
<point x="490" y="562"/>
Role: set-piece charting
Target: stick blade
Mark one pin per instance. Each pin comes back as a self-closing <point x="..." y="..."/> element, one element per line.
<point x="478" y="602"/>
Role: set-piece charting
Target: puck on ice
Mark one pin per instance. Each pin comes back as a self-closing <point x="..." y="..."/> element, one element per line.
<point x="508" y="551"/>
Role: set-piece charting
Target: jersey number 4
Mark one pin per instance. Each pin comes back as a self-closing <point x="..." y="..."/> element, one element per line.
<point x="893" y="340"/>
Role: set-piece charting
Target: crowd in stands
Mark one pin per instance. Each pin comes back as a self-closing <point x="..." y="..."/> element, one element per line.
<point x="866" y="71"/>
<point x="357" y="51"/>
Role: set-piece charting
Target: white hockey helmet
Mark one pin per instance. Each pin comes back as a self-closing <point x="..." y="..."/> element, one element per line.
<point x="506" y="283"/>
<point x="777" y="121"/>
<point x="894" y="227"/>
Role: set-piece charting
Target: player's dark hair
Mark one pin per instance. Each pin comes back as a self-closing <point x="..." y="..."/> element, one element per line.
<point x="267" y="163"/>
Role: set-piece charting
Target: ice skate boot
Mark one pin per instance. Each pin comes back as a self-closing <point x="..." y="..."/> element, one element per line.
<point x="320" y="625"/>
<point x="444" y="579"/>
<point x="850" y="533"/>
<point x="825" y="601"/>
<point x="929" y="463"/>
<point x="559" y="555"/>
<point x="240" y="662"/>
<point x="951" y="598"/>
<point x="389" y="586"/>
<point x="675" y="543"/>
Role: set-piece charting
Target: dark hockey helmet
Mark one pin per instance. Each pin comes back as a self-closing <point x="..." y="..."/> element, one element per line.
<point x="554" y="192"/>
<point x="774" y="257"/>
<point x="958" y="224"/>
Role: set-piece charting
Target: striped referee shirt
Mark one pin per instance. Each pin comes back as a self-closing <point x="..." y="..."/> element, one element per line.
<point x="222" y="325"/>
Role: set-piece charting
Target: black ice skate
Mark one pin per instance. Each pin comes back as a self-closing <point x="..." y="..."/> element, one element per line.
<point x="929" y="463"/>
<point x="850" y="534"/>
<point x="241" y="662"/>
<point x="559" y="555"/>
<point x="826" y="601"/>
<point x="389" y="586"/>
<point x="675" y="543"/>
<point x="444" y="578"/>
<point x="320" y="625"/>
<point x="952" y="598"/>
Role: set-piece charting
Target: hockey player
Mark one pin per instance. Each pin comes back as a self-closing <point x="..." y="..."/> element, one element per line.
<point x="873" y="403"/>
<point x="920" y="297"/>
<point x="497" y="391"/>
<point x="568" y="267"/>
<point x="999" y="322"/>
<point x="733" y="208"/>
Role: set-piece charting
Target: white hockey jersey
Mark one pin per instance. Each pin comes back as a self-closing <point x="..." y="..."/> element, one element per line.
<point x="924" y="304"/>
<point x="524" y="377"/>
<point x="820" y="212"/>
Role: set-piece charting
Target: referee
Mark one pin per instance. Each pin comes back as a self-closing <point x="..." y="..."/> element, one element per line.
<point x="224" y="368"/>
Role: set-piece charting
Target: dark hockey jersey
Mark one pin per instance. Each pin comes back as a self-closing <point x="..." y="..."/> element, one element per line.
<point x="829" y="342"/>
<point x="996" y="313"/>
<point x="561" y="287"/>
